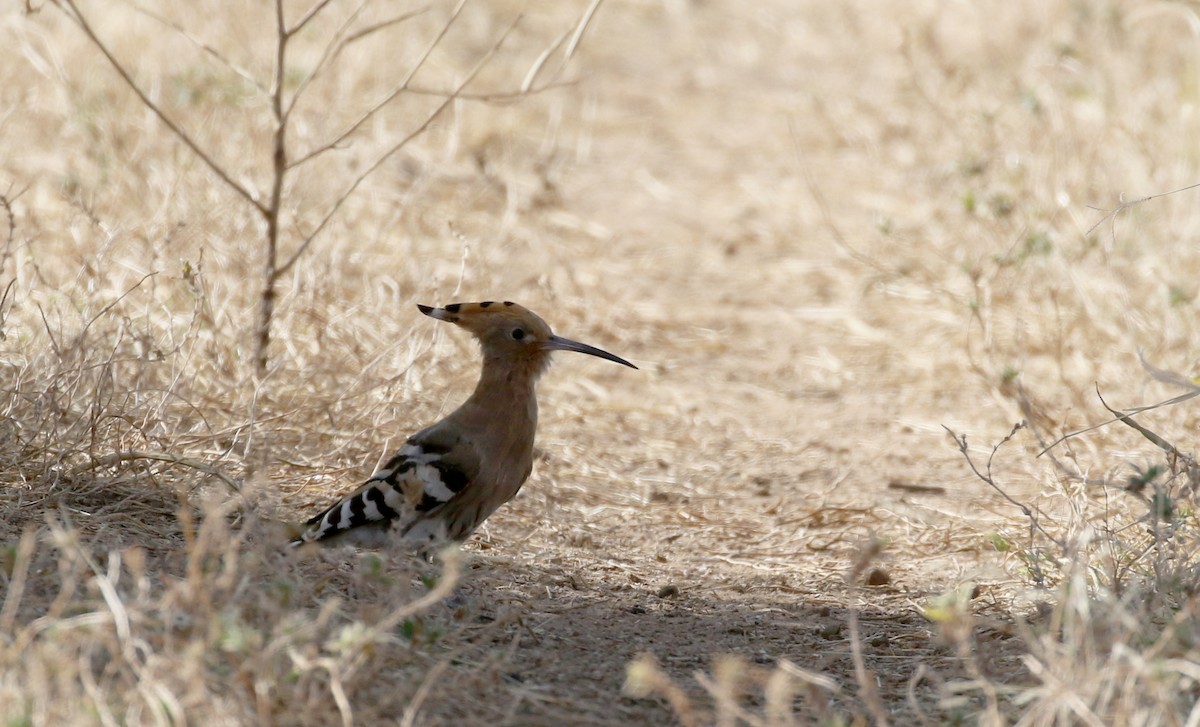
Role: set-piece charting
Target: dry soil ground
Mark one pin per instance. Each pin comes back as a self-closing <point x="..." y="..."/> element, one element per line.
<point x="824" y="231"/>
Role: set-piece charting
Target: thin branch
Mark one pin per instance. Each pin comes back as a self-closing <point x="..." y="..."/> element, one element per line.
<point x="113" y="304"/>
<point x="77" y="16"/>
<point x="304" y="20"/>
<point x="6" y="202"/>
<point x="338" y="44"/>
<point x="4" y="299"/>
<point x="381" y="25"/>
<point x="961" y="442"/>
<point x="115" y="458"/>
<point x="1169" y="449"/>
<point x="1111" y="215"/>
<point x="388" y="154"/>
<point x="1167" y="377"/>
<point x="332" y="49"/>
<point x="1130" y="412"/>
<point x="282" y="269"/>
<point x="6" y="205"/>
<point x="387" y="99"/>
<point x="216" y="54"/>
<point x="412" y="72"/>
<point x="53" y="341"/>
<point x="282" y="37"/>
<point x="496" y="96"/>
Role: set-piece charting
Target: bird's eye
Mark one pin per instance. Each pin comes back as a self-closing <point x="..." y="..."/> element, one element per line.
<point x="518" y="334"/>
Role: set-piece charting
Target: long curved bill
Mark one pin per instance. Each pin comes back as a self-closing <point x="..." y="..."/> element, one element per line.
<point x="558" y="343"/>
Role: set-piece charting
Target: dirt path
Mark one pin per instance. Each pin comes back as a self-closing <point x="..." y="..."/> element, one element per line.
<point x="790" y="392"/>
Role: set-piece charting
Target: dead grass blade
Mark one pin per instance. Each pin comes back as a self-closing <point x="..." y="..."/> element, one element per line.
<point x="114" y="458"/>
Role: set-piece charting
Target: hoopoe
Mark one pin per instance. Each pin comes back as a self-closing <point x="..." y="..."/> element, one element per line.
<point x="449" y="477"/>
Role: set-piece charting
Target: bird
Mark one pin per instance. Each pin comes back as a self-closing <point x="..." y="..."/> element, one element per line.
<point x="448" y="478"/>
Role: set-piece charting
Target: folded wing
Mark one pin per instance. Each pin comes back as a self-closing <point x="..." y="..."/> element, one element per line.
<point x="429" y="471"/>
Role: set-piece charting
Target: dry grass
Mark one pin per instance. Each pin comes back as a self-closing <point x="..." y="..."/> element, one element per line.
<point x="826" y="231"/>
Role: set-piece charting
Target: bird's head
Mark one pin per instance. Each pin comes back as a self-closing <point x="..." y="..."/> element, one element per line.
<point x="511" y="333"/>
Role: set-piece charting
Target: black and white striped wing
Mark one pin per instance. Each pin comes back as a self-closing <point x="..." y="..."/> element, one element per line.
<point x="414" y="484"/>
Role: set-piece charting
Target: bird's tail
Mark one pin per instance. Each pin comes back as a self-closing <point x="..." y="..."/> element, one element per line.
<point x="363" y="516"/>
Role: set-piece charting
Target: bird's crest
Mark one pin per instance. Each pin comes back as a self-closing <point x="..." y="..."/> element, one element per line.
<point x="456" y="312"/>
<point x="513" y="331"/>
<point x="479" y="317"/>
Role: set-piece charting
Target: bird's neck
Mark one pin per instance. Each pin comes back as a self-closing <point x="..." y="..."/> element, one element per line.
<point x="505" y="383"/>
<point x="506" y="395"/>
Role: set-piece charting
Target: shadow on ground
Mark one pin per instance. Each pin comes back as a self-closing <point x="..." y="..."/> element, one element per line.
<point x="562" y="640"/>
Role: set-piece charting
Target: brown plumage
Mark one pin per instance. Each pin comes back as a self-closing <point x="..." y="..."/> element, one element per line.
<point x="449" y="477"/>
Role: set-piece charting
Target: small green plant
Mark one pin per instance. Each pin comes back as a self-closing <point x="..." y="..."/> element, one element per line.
<point x="1009" y="375"/>
<point x="1178" y="296"/>
<point x="968" y="202"/>
<point x="998" y="542"/>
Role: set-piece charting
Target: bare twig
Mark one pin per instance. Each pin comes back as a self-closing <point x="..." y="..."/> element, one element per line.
<point x="383" y="25"/>
<point x="208" y="49"/>
<point x="1112" y="214"/>
<point x="304" y="20"/>
<point x="3" y="300"/>
<point x="1034" y="523"/>
<point x="492" y="96"/>
<point x="6" y="201"/>
<point x="369" y="113"/>
<point x="864" y="555"/>
<point x="910" y="693"/>
<point x="332" y="49"/>
<point x="961" y="441"/>
<point x="79" y="19"/>
<point x="341" y="40"/>
<point x="1156" y="440"/>
<point x="49" y="332"/>
<point x="337" y="205"/>
<point x="1166" y="377"/>
<point x="1174" y="456"/>
<point x="22" y="557"/>
<point x="113" y="304"/>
